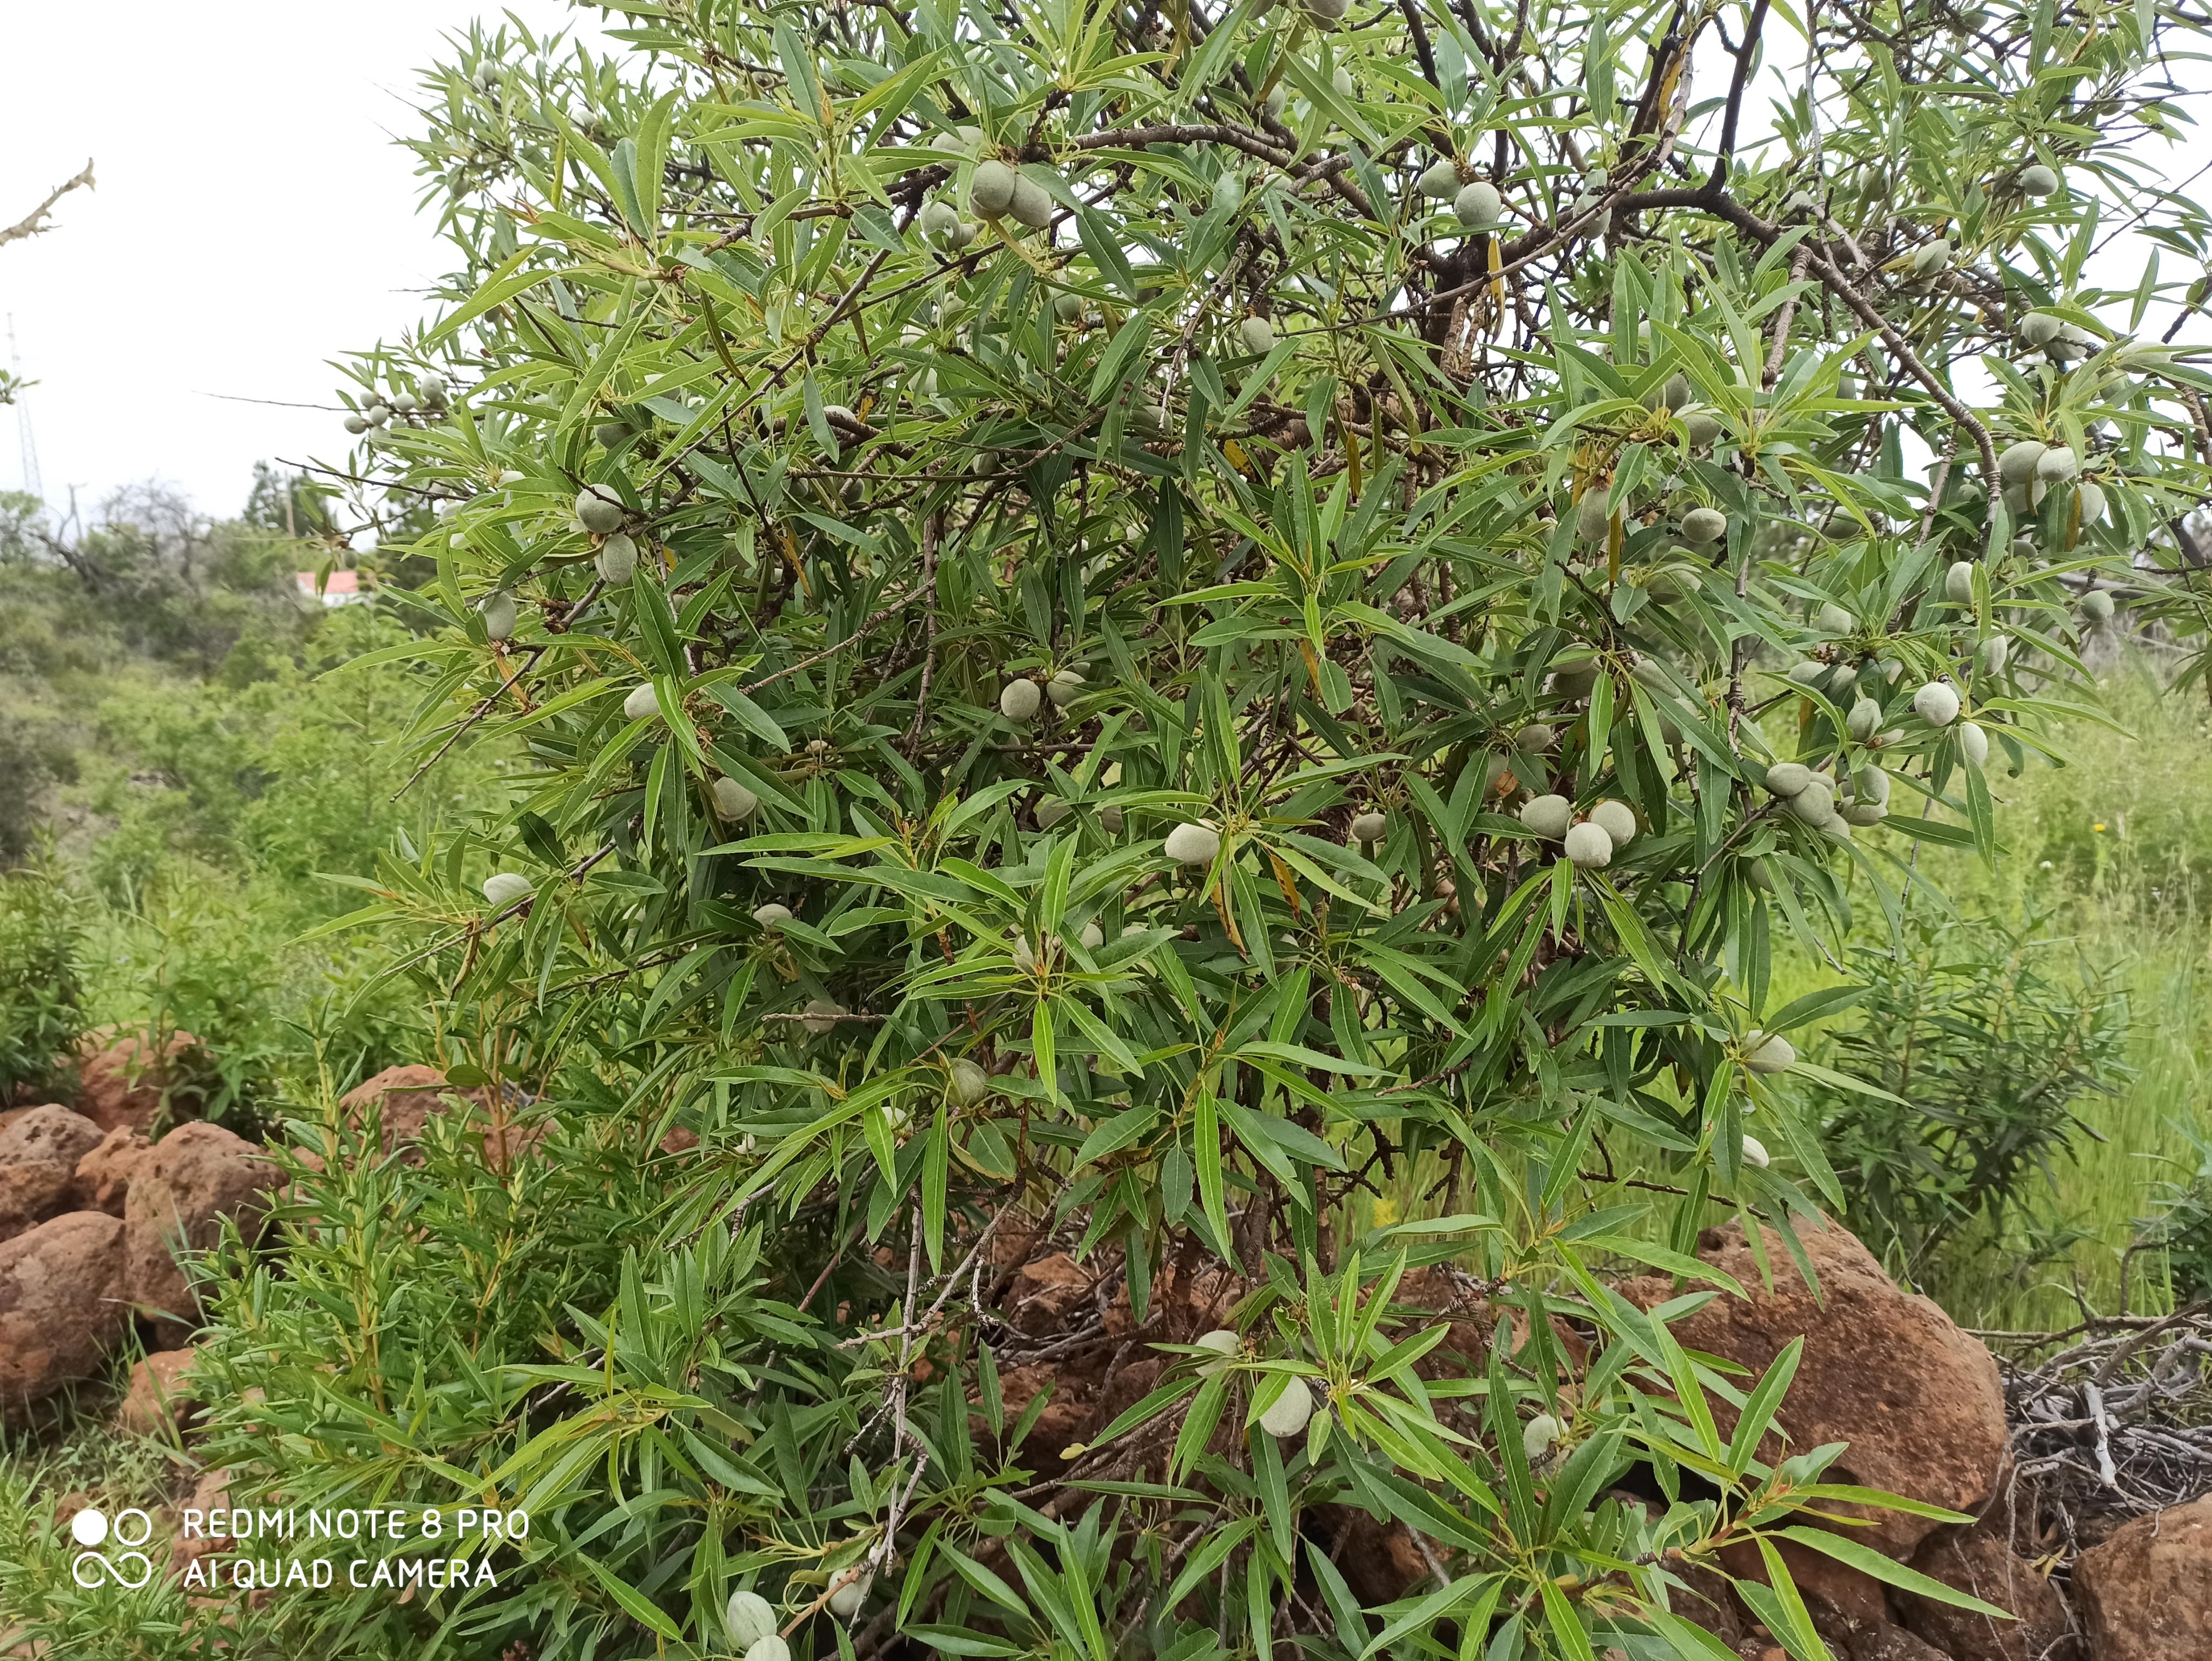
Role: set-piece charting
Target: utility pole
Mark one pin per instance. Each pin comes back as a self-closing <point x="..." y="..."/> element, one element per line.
<point x="27" y="445"/>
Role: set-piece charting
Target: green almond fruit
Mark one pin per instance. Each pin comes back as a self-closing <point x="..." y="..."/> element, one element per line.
<point x="1440" y="179"/>
<point x="598" y="511"/>
<point x="2039" y="329"/>
<point x="991" y="192"/>
<point x="1958" y="582"/>
<point x="2038" y="181"/>
<point x="1257" y="336"/>
<point x="1031" y="204"/>
<point x="616" y="560"/>
<point x="2016" y="462"/>
<point x="1549" y="817"/>
<point x="1704" y="525"/>
<point x="1478" y="205"/>
<point x="1588" y="847"/>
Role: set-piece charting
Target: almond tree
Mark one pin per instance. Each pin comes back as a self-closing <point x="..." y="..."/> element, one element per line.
<point x="1229" y="639"/>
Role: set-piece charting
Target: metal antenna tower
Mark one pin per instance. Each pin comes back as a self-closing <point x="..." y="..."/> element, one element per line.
<point x="29" y="446"/>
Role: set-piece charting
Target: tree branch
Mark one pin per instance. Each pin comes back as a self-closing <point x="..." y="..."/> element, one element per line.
<point x="35" y="222"/>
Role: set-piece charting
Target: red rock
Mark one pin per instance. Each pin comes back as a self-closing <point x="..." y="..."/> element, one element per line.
<point x="103" y="1176"/>
<point x="38" y="1166"/>
<point x="61" y="1306"/>
<point x="194" y="1178"/>
<point x="159" y="1399"/>
<point x="401" y="1099"/>
<point x="1979" y="1563"/>
<point x="125" y="1080"/>
<point x="1886" y="1372"/>
<point x="2146" y="1593"/>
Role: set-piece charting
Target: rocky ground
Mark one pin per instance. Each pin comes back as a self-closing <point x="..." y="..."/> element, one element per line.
<point x="2086" y="1455"/>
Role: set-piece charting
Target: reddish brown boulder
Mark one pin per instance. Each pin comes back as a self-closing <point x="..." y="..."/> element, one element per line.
<point x="1917" y="1400"/>
<point x="103" y="1176"/>
<point x="161" y="1398"/>
<point x="2146" y="1593"/>
<point x="38" y="1166"/>
<point x="61" y="1306"/>
<point x="401" y="1100"/>
<point x="1979" y="1563"/>
<point x="194" y="1178"/>
<point x="126" y="1080"/>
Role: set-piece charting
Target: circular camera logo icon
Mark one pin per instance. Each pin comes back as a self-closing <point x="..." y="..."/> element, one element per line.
<point x="92" y="1528"/>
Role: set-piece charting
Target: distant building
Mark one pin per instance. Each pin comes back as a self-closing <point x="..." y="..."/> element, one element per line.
<point x="341" y="587"/>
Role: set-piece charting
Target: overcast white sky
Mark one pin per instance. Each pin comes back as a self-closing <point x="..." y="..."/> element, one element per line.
<point x="252" y="220"/>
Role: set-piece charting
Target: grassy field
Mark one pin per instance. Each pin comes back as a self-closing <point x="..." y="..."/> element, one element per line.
<point x="2110" y="853"/>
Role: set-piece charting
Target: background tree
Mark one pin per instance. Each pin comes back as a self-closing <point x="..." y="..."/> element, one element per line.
<point x="1129" y="623"/>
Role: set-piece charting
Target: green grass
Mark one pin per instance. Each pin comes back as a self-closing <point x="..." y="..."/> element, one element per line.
<point x="2110" y="850"/>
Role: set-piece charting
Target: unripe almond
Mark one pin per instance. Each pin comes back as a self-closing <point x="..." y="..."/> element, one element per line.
<point x="2016" y="462"/>
<point x="1871" y="784"/>
<point x="1478" y="205"/>
<point x="1225" y="1344"/>
<point x="1295" y="1406"/>
<point x="1787" y="778"/>
<point x="1258" y="336"/>
<point x="1538" y="1436"/>
<point x="1588" y="846"/>
<point x="1833" y="619"/>
<point x="1958" y="582"/>
<point x="940" y="222"/>
<point x="734" y="801"/>
<point x="2089" y="501"/>
<point x="847" y="1600"/>
<point x="498" y="610"/>
<point x="2096" y="605"/>
<point x="968" y="1083"/>
<point x="1936" y="703"/>
<point x="1754" y="1152"/>
<point x="1019" y="701"/>
<point x="1704" y="525"/>
<point x="503" y="888"/>
<point x="2038" y="181"/>
<point x="1548" y="816"/>
<point x="1369" y="826"/>
<point x="1702" y="427"/>
<point x="617" y="562"/>
<point x="1592" y="515"/>
<point x="1768" y="1052"/>
<point x="1617" y="819"/>
<point x="1050" y="812"/>
<point x="2039" y="329"/>
<point x="2057" y="465"/>
<point x="749" y="1618"/>
<point x="1032" y="206"/>
<point x="1193" y="844"/>
<point x="770" y="1648"/>
<point x="1440" y="179"/>
<point x="641" y="704"/>
<point x="1064" y="688"/>
<point x="1534" y="739"/>
<point x="820" y="1016"/>
<point x="600" y="511"/>
<point x="991" y="192"/>
<point x="1092" y="937"/>
<point x="1110" y="821"/>
<point x="1864" y="719"/>
<point x="1974" y="743"/>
